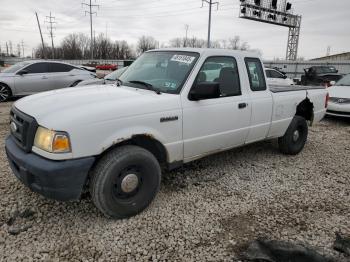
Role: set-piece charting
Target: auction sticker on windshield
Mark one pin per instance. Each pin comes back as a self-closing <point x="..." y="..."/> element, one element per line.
<point x="183" y="59"/>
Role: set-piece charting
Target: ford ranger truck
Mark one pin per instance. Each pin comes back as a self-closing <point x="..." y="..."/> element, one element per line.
<point x="171" y="106"/>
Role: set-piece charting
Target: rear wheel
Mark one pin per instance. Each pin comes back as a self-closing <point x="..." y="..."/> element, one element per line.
<point x="125" y="181"/>
<point x="75" y="83"/>
<point x="5" y="93"/>
<point x="295" y="138"/>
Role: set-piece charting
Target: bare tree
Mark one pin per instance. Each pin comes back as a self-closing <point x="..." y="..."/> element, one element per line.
<point x="146" y="43"/>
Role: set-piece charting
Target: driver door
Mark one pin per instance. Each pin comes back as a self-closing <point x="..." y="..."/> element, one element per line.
<point x="216" y="124"/>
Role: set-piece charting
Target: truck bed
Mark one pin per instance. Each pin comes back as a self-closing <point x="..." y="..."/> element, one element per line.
<point x="279" y="88"/>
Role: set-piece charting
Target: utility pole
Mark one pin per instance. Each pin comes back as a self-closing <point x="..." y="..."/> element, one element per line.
<point x="51" y="22"/>
<point x="90" y="12"/>
<point x="10" y="45"/>
<point x="186" y="28"/>
<point x="22" y="44"/>
<point x="210" y="3"/>
<point x="41" y="35"/>
<point x="7" y="49"/>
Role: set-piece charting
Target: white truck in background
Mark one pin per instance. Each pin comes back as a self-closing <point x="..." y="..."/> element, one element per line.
<point x="171" y="106"/>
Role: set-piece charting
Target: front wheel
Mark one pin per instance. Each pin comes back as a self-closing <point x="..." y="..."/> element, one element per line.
<point x="125" y="181"/>
<point x="295" y="138"/>
<point x="5" y="93"/>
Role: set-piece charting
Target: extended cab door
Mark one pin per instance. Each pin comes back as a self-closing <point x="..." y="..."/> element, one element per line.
<point x="211" y="125"/>
<point x="261" y="100"/>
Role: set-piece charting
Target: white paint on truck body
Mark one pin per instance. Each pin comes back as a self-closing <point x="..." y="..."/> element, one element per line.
<point x="98" y="117"/>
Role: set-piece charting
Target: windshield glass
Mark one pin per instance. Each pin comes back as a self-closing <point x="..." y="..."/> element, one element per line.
<point x="326" y="70"/>
<point x="116" y="74"/>
<point x="16" y="67"/>
<point x="345" y="81"/>
<point x="164" y="70"/>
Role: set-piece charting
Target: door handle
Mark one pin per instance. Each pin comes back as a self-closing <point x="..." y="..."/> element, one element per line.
<point x="242" y="105"/>
<point x="44" y="77"/>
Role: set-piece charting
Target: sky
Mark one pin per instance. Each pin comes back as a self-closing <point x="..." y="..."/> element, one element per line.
<point x="324" y="23"/>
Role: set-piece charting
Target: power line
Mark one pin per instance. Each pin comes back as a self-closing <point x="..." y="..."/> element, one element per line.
<point x="210" y="3"/>
<point x="90" y="12"/>
<point x="51" y="22"/>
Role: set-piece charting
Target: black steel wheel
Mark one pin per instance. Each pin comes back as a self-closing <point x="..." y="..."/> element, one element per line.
<point x="125" y="181"/>
<point x="295" y="137"/>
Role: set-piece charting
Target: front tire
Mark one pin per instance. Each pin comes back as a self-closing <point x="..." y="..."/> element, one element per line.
<point x="295" y="138"/>
<point x="125" y="181"/>
<point x="5" y="93"/>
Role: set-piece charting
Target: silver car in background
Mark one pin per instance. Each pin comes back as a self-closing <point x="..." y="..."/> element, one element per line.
<point x="108" y="79"/>
<point x="30" y="77"/>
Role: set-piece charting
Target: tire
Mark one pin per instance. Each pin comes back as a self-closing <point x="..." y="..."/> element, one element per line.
<point x="5" y="93"/>
<point x="75" y="83"/>
<point x="295" y="138"/>
<point x="112" y="185"/>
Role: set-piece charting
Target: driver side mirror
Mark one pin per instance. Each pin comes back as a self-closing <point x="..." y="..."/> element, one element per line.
<point x="205" y="90"/>
<point x="22" y="72"/>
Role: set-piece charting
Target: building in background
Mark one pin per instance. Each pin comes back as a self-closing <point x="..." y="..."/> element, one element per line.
<point x="337" y="57"/>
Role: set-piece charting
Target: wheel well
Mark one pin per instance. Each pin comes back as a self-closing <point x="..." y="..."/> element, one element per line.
<point x="306" y="109"/>
<point x="147" y="142"/>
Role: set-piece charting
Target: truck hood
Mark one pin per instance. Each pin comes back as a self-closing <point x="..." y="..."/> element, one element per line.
<point x="94" y="81"/>
<point x="60" y="109"/>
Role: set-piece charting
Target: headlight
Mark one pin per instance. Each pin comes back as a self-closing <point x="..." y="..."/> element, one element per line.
<point x="52" y="141"/>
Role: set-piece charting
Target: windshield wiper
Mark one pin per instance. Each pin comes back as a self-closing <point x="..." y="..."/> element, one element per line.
<point x="147" y="85"/>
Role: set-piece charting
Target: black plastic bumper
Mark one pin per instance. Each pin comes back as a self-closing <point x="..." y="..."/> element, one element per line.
<point x="60" y="180"/>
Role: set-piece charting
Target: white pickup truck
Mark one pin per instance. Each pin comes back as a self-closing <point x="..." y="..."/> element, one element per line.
<point x="170" y="107"/>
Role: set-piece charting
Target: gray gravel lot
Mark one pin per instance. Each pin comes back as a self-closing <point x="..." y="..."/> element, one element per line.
<point x="205" y="211"/>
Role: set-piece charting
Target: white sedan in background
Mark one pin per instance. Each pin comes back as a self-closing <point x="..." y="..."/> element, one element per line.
<point x="274" y="77"/>
<point x="339" y="98"/>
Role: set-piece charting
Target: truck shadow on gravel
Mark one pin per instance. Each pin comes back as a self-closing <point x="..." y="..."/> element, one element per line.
<point x="205" y="170"/>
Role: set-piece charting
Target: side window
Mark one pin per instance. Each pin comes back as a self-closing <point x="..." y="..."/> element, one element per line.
<point x="256" y="74"/>
<point x="268" y="73"/>
<point x="222" y="70"/>
<point x="37" y="68"/>
<point x="58" y="68"/>
<point x="275" y="74"/>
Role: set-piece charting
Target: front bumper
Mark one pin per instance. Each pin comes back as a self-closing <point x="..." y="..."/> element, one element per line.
<point x="337" y="113"/>
<point x="60" y="180"/>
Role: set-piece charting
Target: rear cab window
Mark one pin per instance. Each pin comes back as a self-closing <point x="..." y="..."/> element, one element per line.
<point x="255" y="74"/>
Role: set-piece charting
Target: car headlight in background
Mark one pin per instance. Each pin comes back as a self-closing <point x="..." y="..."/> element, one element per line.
<point x="52" y="141"/>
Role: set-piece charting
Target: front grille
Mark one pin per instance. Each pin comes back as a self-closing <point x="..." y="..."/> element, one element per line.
<point x="23" y="128"/>
<point x="339" y="100"/>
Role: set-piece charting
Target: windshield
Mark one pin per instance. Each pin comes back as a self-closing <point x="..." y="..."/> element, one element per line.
<point x="345" y="81"/>
<point x="16" y="67"/>
<point x="165" y="71"/>
<point x="326" y="70"/>
<point x="116" y="74"/>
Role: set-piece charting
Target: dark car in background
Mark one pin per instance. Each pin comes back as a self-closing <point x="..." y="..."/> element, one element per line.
<point x="320" y="75"/>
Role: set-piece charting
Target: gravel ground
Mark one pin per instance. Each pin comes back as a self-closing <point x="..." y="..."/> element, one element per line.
<point x="205" y="211"/>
